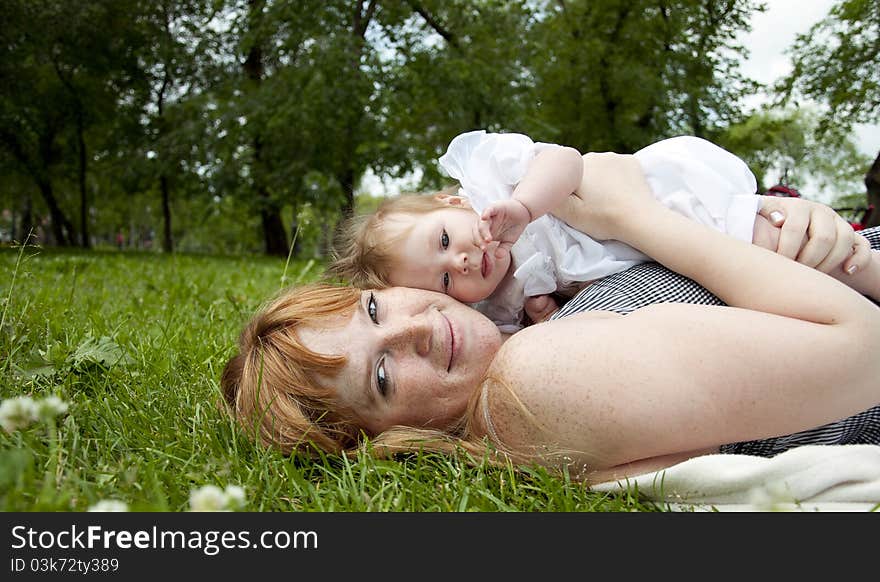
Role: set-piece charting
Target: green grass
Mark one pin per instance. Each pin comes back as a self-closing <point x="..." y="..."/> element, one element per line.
<point x="135" y="343"/>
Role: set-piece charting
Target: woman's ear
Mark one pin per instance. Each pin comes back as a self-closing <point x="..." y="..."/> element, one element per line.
<point x="452" y="200"/>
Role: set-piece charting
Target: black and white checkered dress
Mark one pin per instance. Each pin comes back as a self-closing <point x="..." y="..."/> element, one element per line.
<point x="651" y="283"/>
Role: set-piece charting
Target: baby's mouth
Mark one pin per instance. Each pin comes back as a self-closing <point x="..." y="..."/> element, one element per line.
<point x="485" y="266"/>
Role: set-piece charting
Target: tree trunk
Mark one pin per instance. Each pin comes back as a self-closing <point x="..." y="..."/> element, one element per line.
<point x="26" y="233"/>
<point x="167" y="239"/>
<point x="346" y="180"/>
<point x="872" y="183"/>
<point x="609" y="100"/>
<point x="361" y="18"/>
<point x="56" y="216"/>
<point x="83" y="192"/>
<point x="164" y="187"/>
<point x="274" y="235"/>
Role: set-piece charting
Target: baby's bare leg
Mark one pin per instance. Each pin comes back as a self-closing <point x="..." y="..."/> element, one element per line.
<point x="540" y="308"/>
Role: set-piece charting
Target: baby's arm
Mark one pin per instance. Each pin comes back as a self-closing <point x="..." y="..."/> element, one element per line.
<point x="551" y="177"/>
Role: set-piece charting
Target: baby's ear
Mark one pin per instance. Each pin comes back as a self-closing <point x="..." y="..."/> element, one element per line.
<point x="453" y="200"/>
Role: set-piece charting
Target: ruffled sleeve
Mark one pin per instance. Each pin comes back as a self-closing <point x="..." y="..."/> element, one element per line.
<point x="704" y="182"/>
<point x="488" y="166"/>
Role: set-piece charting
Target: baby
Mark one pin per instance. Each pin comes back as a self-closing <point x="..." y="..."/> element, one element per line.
<point x="493" y="243"/>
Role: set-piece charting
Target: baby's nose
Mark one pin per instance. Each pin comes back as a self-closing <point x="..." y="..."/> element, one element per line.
<point x="461" y="263"/>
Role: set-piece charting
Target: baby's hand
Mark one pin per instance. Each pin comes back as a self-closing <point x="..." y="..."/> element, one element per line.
<point x="540" y="307"/>
<point x="504" y="221"/>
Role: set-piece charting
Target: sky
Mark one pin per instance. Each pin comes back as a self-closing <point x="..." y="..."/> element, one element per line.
<point x="773" y="32"/>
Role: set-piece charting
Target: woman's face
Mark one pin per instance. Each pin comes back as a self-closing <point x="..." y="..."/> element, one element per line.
<point x="414" y="357"/>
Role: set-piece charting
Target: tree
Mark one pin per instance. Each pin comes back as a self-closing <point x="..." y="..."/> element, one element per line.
<point x="178" y="38"/>
<point x="33" y="116"/>
<point x="452" y="67"/>
<point x="93" y="56"/>
<point x="835" y="63"/>
<point x="783" y="145"/>
<point x="617" y="75"/>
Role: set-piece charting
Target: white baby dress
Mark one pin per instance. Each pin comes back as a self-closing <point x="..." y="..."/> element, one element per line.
<point x="689" y="175"/>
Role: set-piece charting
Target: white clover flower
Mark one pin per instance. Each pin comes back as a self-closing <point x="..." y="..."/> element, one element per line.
<point x="50" y="407"/>
<point x="17" y="413"/>
<point x="207" y="498"/>
<point x="212" y="498"/>
<point x="235" y="496"/>
<point x="109" y="505"/>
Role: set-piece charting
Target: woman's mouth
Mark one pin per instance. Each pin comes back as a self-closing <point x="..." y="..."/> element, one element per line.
<point x="450" y="343"/>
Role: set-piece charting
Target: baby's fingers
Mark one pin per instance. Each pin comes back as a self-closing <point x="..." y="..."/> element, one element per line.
<point x="485" y="230"/>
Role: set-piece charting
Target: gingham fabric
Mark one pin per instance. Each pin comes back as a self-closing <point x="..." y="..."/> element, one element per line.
<point x="650" y="283"/>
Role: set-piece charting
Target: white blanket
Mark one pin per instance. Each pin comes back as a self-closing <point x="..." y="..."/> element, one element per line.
<point x="806" y="478"/>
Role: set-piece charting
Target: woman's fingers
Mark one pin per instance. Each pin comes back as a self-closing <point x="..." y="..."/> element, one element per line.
<point x="861" y="255"/>
<point x="841" y="248"/>
<point x="815" y="235"/>
<point x="826" y="240"/>
<point x="792" y="236"/>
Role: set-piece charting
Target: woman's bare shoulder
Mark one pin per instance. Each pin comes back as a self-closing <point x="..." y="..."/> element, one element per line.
<point x="522" y="343"/>
<point x="518" y="394"/>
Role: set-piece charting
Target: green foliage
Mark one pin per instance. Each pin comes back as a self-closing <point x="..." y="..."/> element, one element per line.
<point x="615" y="75"/>
<point x="135" y="344"/>
<point x="230" y="124"/>
<point x="835" y="63"/>
<point x="785" y="146"/>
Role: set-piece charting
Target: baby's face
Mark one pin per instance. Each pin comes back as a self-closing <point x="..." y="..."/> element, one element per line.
<point x="442" y="253"/>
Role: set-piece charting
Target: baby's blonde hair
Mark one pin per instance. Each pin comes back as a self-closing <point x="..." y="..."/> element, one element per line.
<point x="364" y="250"/>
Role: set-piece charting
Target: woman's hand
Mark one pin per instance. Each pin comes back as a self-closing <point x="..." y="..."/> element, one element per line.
<point x="815" y="235"/>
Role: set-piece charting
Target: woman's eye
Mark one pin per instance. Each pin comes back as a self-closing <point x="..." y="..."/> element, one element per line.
<point x="444" y="240"/>
<point x="381" y="380"/>
<point x="373" y="309"/>
<point x="445" y="281"/>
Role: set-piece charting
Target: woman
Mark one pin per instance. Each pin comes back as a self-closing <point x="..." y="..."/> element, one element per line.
<point x="322" y="365"/>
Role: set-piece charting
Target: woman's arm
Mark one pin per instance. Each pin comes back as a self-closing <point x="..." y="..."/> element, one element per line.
<point x="673" y="380"/>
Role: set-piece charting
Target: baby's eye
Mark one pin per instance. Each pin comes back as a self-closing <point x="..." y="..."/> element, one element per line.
<point x="445" y="282"/>
<point x="444" y="240"/>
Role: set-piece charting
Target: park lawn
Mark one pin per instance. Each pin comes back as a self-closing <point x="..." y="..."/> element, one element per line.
<point x="134" y="343"/>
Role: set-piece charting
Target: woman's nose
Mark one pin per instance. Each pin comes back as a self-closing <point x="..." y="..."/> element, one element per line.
<point x="412" y="333"/>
